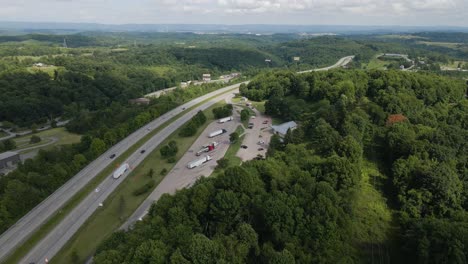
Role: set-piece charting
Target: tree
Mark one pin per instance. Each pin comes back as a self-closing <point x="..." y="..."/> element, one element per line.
<point x="245" y="114"/>
<point x="9" y="144"/>
<point x="151" y="173"/>
<point x="222" y="163"/>
<point x="35" y="139"/>
<point x="233" y="137"/>
<point x="97" y="147"/>
<point x="75" y="258"/>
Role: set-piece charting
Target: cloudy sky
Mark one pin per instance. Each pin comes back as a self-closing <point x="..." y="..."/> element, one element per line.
<point x="331" y="12"/>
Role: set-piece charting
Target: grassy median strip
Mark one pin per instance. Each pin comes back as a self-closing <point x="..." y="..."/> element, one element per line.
<point x="37" y="236"/>
<point x="233" y="149"/>
<point x="121" y="204"/>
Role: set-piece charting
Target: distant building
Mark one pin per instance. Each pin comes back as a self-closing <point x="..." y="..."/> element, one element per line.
<point x="296" y="58"/>
<point x="184" y="84"/>
<point x="402" y="67"/>
<point x="140" y="101"/>
<point x="206" y="77"/>
<point x="8" y="159"/>
<point x="282" y="129"/>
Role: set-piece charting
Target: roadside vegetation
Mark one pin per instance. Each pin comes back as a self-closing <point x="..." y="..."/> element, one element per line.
<point x="375" y="170"/>
<point x="128" y="196"/>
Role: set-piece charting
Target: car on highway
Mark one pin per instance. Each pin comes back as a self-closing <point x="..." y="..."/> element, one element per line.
<point x="142" y="151"/>
<point x="112" y="156"/>
<point x="261" y="142"/>
<point x="244" y="146"/>
<point x="261" y="149"/>
<point x="265" y="122"/>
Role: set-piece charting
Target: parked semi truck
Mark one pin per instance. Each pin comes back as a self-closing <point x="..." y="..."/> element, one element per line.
<point x="226" y="119"/>
<point x="207" y="148"/>
<point x="198" y="162"/>
<point x="121" y="170"/>
<point x="217" y="133"/>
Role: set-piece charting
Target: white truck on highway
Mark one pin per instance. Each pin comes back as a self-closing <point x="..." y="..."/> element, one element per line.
<point x="226" y="119"/>
<point x="199" y="162"/>
<point x="207" y="148"/>
<point x="120" y="171"/>
<point x="217" y="133"/>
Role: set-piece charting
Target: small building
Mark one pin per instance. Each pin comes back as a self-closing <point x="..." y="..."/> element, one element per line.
<point x="206" y="77"/>
<point x="282" y="129"/>
<point x="140" y="101"/>
<point x="184" y="84"/>
<point x="9" y="159"/>
<point x="402" y="67"/>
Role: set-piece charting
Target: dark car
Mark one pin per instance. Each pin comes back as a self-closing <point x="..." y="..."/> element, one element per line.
<point x="244" y="146"/>
<point x="142" y="151"/>
<point x="261" y="149"/>
<point x="112" y="156"/>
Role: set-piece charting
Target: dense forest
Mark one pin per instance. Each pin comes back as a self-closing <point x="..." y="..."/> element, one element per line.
<point x="100" y="69"/>
<point x="300" y="204"/>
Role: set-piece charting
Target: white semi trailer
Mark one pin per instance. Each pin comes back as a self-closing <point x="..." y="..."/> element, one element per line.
<point x="121" y="170"/>
<point x="217" y="133"/>
<point x="199" y="162"/>
<point x="224" y="120"/>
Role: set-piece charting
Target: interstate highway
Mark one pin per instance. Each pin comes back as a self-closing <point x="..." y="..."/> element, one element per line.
<point x="28" y="224"/>
<point x="56" y="239"/>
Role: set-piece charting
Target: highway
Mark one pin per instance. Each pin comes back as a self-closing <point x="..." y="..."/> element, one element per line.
<point x="171" y="186"/>
<point x="341" y="62"/>
<point x="56" y="239"/>
<point x="29" y="223"/>
<point x="180" y="176"/>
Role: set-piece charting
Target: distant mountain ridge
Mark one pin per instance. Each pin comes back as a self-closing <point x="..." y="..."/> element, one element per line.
<point x="68" y="28"/>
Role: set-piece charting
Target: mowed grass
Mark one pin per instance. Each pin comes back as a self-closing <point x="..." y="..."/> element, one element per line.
<point x="16" y="256"/>
<point x="114" y="213"/>
<point x="161" y="69"/>
<point x="60" y="133"/>
<point x="372" y="222"/>
<point x="234" y="148"/>
<point x="47" y="69"/>
<point x="450" y="45"/>
<point x="375" y="63"/>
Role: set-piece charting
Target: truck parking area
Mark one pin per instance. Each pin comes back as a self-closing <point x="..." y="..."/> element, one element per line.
<point x="256" y="138"/>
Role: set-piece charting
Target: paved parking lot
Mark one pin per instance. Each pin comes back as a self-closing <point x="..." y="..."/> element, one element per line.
<point x="257" y="138"/>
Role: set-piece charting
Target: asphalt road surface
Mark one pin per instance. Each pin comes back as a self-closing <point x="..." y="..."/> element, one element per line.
<point x="252" y="137"/>
<point x="56" y="239"/>
<point x="341" y="62"/>
<point x="29" y="223"/>
<point x="182" y="177"/>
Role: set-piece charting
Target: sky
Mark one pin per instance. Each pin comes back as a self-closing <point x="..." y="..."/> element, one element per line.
<point x="299" y="12"/>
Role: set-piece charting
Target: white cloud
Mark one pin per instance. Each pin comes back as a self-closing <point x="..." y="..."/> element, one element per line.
<point x="419" y="12"/>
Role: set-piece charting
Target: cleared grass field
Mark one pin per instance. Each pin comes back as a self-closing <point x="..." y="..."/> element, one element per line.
<point x="233" y="148"/>
<point x="47" y="69"/>
<point x="122" y="203"/>
<point x="62" y="136"/>
<point x="450" y="45"/>
<point x="373" y="219"/>
<point x="375" y="63"/>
